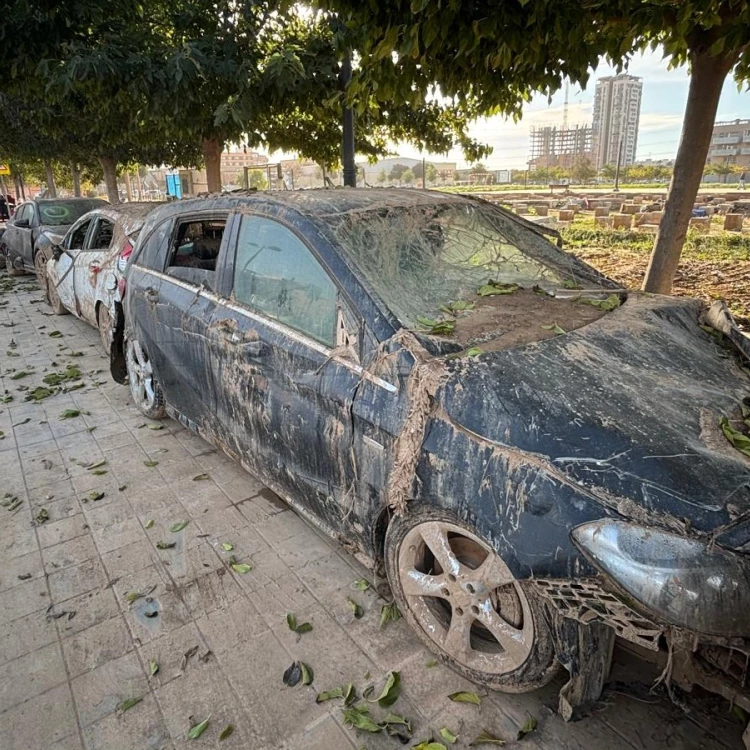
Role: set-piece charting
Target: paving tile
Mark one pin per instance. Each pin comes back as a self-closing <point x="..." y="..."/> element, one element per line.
<point x="30" y="675"/>
<point x="27" y="597"/>
<point x="77" y="579"/>
<point x="29" y="566"/>
<point x="90" y="609"/>
<point x="169" y="652"/>
<point x="129" y="558"/>
<point x="140" y="727"/>
<point x="63" y="530"/>
<point x="226" y="629"/>
<point x="21" y="726"/>
<point x="73" y="552"/>
<point x="24" y="635"/>
<point x="96" y="645"/>
<point x="117" y="535"/>
<point x="100" y="691"/>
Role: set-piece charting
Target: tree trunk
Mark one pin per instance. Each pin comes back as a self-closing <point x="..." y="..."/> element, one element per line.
<point x="706" y="81"/>
<point x="76" y="173"/>
<point x="128" y="187"/>
<point x="212" y="148"/>
<point x="51" y="189"/>
<point x="109" y="165"/>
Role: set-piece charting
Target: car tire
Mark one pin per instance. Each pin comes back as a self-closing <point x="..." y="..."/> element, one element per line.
<point x="11" y="270"/>
<point x="40" y="266"/>
<point x="477" y="618"/>
<point x="54" y="301"/>
<point x="104" y="323"/>
<point x="146" y="392"/>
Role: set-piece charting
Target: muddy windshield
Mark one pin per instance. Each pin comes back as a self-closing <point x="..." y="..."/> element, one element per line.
<point x="420" y="259"/>
<point x="63" y="213"/>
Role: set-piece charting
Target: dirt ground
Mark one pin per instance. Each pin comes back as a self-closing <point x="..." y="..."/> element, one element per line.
<point x="204" y="639"/>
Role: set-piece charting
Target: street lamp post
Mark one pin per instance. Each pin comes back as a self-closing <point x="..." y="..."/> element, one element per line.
<point x="350" y="168"/>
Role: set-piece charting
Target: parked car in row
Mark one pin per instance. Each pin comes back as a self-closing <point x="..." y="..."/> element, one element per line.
<point x="526" y="449"/>
<point x="36" y="226"/>
<point x="84" y="273"/>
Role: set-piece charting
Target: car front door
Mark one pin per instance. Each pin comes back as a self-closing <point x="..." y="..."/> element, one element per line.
<point x="18" y="236"/>
<point x="171" y="300"/>
<point x="284" y="366"/>
<point x="64" y="269"/>
<point x="88" y="265"/>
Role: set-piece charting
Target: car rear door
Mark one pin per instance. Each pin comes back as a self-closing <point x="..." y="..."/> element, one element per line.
<point x="62" y="273"/>
<point x="88" y="265"/>
<point x="170" y="304"/>
<point x="284" y="390"/>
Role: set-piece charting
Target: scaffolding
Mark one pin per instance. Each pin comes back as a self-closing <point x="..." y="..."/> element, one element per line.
<point x="553" y="146"/>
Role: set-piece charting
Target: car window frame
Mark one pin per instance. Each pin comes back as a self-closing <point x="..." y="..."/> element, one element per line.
<point x="20" y="214"/>
<point x="69" y="236"/>
<point x="342" y="297"/>
<point x="187" y="218"/>
<point x="93" y="229"/>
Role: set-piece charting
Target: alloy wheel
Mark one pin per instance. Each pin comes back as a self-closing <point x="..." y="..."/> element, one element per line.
<point x="140" y="376"/>
<point x="464" y="598"/>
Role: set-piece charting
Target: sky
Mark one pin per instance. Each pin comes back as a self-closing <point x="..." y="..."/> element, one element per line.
<point x="664" y="97"/>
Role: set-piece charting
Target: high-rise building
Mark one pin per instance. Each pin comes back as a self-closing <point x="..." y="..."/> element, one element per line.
<point x="617" y="110"/>
<point x="559" y="147"/>
<point x="730" y="143"/>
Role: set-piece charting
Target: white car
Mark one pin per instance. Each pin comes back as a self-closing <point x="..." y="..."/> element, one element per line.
<point x="84" y="272"/>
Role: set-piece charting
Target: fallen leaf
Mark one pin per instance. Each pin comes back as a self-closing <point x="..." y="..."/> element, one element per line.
<point x="328" y="695"/>
<point x="389" y="613"/>
<point x="243" y="568"/>
<point x="396" y="721"/>
<point x="197" y="730"/>
<point x="226" y="732"/>
<point x="389" y="695"/>
<point x="359" y="718"/>
<point x="94" y="495"/>
<point x="99" y="472"/>
<point x="150" y="464"/>
<point x="486" y="738"/>
<point x="187" y="656"/>
<point x="126" y="705"/>
<point x="355" y="608"/>
<point x="55" y="334"/>
<point x="292" y="675"/>
<point x="554" y="328"/>
<point x="97" y="465"/>
<point x="70" y="414"/>
<point x="528" y="727"/>
<point x="430" y="745"/>
<point x="738" y="439"/>
<point x="431" y="663"/>
<point x="179" y="526"/>
<point x="24" y="576"/>
<point x="23" y="421"/>
<point x="42" y="516"/>
<point x="304" y="627"/>
<point x="155" y="426"/>
<point x="463" y="697"/>
<point x="149" y="524"/>
<point x="361" y="584"/>
<point x="201" y="478"/>
<point x="227" y="546"/>
<point x="495" y="287"/>
<point x="307" y="673"/>
<point x="153" y="667"/>
<point x="19" y="374"/>
<point x="448" y="736"/>
<point x="474" y="351"/>
<point x="165" y="545"/>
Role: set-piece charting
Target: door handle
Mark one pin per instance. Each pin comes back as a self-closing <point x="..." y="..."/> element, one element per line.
<point x="151" y="294"/>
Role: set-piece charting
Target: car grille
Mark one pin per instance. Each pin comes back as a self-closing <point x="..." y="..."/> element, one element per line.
<point x="585" y="600"/>
<point x="733" y="664"/>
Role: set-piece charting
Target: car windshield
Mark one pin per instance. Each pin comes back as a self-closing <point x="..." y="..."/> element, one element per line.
<point x="64" y="213"/>
<point x="420" y="258"/>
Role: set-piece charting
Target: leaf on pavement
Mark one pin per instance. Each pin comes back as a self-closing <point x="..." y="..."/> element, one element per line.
<point x="155" y="426"/>
<point x="126" y="705"/>
<point x="359" y="718"/>
<point x="149" y="524"/>
<point x="389" y="613"/>
<point x="42" y="516"/>
<point x="355" y="608"/>
<point x="293" y="674"/>
<point x="179" y="526"/>
<point x="226" y="732"/>
<point x="153" y="667"/>
<point x="55" y="334"/>
<point x="201" y="478"/>
<point x="528" y="727"/>
<point x="165" y="545"/>
<point x="198" y="729"/>
<point x="448" y="736"/>
<point x="70" y="414"/>
<point x="227" y="547"/>
<point x="150" y="464"/>
<point x="464" y="697"/>
<point x="361" y="584"/>
<point x="242" y="568"/>
<point x="486" y="738"/>
<point x="391" y="689"/>
<point x="307" y="673"/>
<point x="328" y="695"/>
<point x="304" y="627"/>
<point x="430" y="745"/>
<point x="94" y="495"/>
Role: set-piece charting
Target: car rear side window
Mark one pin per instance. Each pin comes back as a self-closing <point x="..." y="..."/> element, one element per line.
<point x="277" y="275"/>
<point x="101" y="238"/>
<point x="194" y="249"/>
<point x="77" y="236"/>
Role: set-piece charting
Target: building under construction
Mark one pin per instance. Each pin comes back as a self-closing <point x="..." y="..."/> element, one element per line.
<point x="553" y="146"/>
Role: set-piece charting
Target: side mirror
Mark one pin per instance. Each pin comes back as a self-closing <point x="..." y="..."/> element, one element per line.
<point x="22" y="223"/>
<point x="56" y="252"/>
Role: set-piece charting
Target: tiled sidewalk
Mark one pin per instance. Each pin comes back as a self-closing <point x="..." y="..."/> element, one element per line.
<point x="73" y="648"/>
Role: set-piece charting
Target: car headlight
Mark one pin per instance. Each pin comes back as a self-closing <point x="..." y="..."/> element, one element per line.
<point x="682" y="581"/>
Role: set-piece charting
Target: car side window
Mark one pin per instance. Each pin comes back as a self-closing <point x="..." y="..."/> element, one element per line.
<point x="77" y="236"/>
<point x="25" y="212"/>
<point x="277" y="275"/>
<point x="152" y="253"/>
<point x="101" y="237"/>
<point x="194" y="249"/>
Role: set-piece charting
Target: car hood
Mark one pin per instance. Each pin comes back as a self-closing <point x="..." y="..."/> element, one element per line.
<point x="627" y="407"/>
<point x="55" y="233"/>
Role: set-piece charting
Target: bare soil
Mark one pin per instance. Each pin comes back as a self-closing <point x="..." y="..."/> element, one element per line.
<point x="508" y="320"/>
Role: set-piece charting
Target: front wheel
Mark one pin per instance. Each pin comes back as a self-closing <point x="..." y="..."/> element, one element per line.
<point x="146" y="392"/>
<point x="54" y="300"/>
<point x="464" y="603"/>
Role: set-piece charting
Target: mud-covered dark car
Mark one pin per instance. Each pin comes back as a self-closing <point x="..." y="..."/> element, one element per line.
<point x="538" y="460"/>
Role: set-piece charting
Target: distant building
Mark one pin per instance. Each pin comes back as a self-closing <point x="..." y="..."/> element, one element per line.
<point x="560" y="147"/>
<point x="617" y="111"/>
<point x="730" y="143"/>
